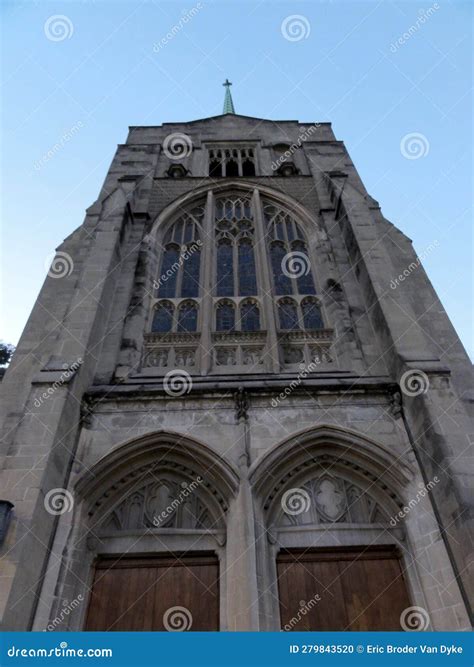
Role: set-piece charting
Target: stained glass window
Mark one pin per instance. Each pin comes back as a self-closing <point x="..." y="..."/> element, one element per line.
<point x="249" y="317"/>
<point x="225" y="316"/>
<point x="311" y="314"/>
<point x="288" y="314"/>
<point x="187" y="316"/>
<point x="247" y="275"/>
<point x="163" y="317"/>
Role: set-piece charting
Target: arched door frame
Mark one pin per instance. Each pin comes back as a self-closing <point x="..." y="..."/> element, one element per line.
<point x="105" y="484"/>
<point x="292" y="461"/>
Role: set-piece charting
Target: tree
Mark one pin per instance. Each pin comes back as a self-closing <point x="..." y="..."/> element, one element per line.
<point x="6" y="351"/>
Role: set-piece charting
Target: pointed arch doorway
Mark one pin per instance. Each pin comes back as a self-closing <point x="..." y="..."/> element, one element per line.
<point x="156" y="537"/>
<point x="336" y="562"/>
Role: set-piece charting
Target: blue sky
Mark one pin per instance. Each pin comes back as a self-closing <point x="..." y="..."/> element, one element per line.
<point x="351" y="65"/>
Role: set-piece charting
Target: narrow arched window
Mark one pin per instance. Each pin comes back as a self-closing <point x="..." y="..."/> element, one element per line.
<point x="181" y="260"/>
<point x="304" y="276"/>
<point x="225" y="316"/>
<point x="215" y="169"/>
<point x="288" y="314"/>
<point x="247" y="274"/>
<point x="281" y="280"/>
<point x="163" y="317"/>
<point x="231" y="168"/>
<point x="289" y="255"/>
<point x="225" y="268"/>
<point x="187" y="316"/>
<point x="191" y="267"/>
<point x="168" y="278"/>
<point x="248" y="168"/>
<point x="249" y="317"/>
<point x="312" y="318"/>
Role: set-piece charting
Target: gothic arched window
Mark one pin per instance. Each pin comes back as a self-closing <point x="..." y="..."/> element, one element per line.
<point x="163" y="317"/>
<point x="225" y="268"/>
<point x="181" y="259"/>
<point x="289" y="257"/>
<point x="311" y="314"/>
<point x="235" y="258"/>
<point x="168" y="275"/>
<point x="250" y="289"/>
<point x="281" y="281"/>
<point x="225" y="316"/>
<point x="249" y="316"/>
<point x="248" y="167"/>
<point x="191" y="267"/>
<point x="232" y="168"/>
<point x="288" y="314"/>
<point x="247" y="274"/>
<point x="187" y="316"/>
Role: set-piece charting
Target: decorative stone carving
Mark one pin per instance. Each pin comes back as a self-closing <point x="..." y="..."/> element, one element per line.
<point x="184" y="357"/>
<point x="329" y="499"/>
<point x="241" y="404"/>
<point x="164" y="502"/>
<point x="292" y="355"/>
<point x="157" y="358"/>
<point x="320" y="355"/>
<point x="396" y="404"/>
<point x="252" y="356"/>
<point x="226" y="356"/>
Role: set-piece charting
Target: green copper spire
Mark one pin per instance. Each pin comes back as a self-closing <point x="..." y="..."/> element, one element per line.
<point x="228" y="104"/>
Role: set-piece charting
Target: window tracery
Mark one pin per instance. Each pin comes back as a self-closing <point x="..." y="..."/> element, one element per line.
<point x="232" y="162"/>
<point x="245" y="235"/>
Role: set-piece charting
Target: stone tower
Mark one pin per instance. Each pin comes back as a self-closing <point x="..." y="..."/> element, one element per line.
<point x="237" y="404"/>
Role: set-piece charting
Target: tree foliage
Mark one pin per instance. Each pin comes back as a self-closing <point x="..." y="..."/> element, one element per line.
<point x="6" y="351"/>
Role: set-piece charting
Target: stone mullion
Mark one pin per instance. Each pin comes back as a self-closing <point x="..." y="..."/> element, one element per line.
<point x="239" y="161"/>
<point x="265" y="283"/>
<point x="207" y="296"/>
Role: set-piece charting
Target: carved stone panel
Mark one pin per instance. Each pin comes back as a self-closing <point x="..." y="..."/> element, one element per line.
<point x="164" y="502"/>
<point x="328" y="499"/>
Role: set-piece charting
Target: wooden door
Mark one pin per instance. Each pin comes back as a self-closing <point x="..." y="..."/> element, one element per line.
<point x="172" y="593"/>
<point x="359" y="589"/>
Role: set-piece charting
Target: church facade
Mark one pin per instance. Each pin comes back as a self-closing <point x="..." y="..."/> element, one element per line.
<point x="238" y="403"/>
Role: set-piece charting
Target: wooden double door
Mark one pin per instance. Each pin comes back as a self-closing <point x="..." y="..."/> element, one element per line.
<point x="174" y="593"/>
<point x="360" y="588"/>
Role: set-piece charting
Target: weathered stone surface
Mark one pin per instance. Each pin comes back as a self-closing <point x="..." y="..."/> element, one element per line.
<point x="345" y="412"/>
